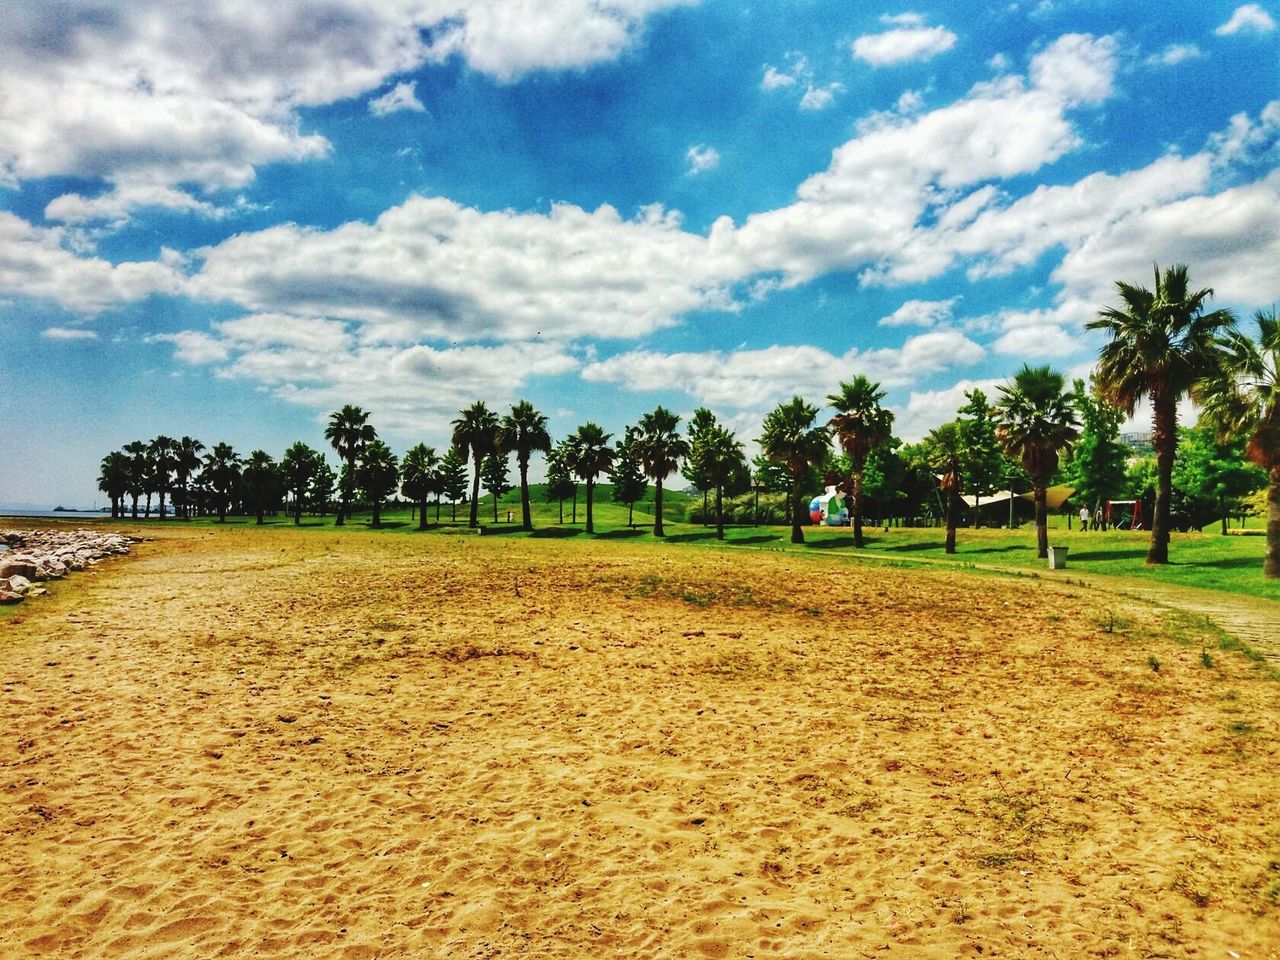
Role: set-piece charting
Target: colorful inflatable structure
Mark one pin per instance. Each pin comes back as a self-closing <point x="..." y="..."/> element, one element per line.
<point x="829" y="509"/>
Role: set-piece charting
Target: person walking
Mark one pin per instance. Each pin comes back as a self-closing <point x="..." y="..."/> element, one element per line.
<point x="1084" y="519"/>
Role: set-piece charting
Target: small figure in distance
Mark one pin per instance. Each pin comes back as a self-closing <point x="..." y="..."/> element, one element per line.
<point x="1084" y="520"/>
<point x="1097" y="519"/>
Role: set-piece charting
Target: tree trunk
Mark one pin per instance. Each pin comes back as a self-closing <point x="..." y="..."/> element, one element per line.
<point x="422" y="514"/>
<point x="953" y="511"/>
<point x="797" y="534"/>
<point x="575" y="505"/>
<point x="1222" y="508"/>
<point x="526" y="517"/>
<point x="475" y="496"/>
<point x="261" y="512"/>
<point x="297" y="508"/>
<point x="755" y="510"/>
<point x="631" y="514"/>
<point x="561" y="502"/>
<point x="495" y="505"/>
<point x="1042" y="521"/>
<point x="1271" y="559"/>
<point x="857" y="509"/>
<point x="591" y="527"/>
<point x="377" y="513"/>
<point x="657" y="509"/>
<point x="719" y="512"/>
<point x="977" y="501"/>
<point x="1165" y="442"/>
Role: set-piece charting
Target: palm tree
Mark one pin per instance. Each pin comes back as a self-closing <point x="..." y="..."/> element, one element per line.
<point x="1162" y="343"/>
<point x="298" y="468"/>
<point x="418" y="470"/>
<point x="522" y="432"/>
<point x="1242" y="399"/>
<point x="222" y="472"/>
<point x="720" y="456"/>
<point x="1036" y="419"/>
<point x="945" y="450"/>
<point x="260" y="481"/>
<point x="186" y="462"/>
<point x="136" y="451"/>
<point x="475" y="431"/>
<point x="588" y="455"/>
<point x="163" y="454"/>
<point x="860" y="426"/>
<point x="660" y="448"/>
<point x="789" y="437"/>
<point x="348" y="433"/>
<point x="113" y="480"/>
<point x="378" y="473"/>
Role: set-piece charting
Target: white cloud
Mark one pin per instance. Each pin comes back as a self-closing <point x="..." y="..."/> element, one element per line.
<point x="925" y="409"/>
<point x="1175" y="54"/>
<point x="1077" y="68"/>
<point x="702" y="158"/>
<point x="911" y="43"/>
<point x="403" y="96"/>
<point x="920" y="313"/>
<point x="819" y="98"/>
<point x="908" y="19"/>
<point x="68" y="333"/>
<point x="774" y="79"/>
<point x="191" y="346"/>
<point x="1249" y="18"/>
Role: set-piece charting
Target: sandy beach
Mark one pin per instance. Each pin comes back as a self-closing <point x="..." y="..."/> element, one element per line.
<point x="302" y="744"/>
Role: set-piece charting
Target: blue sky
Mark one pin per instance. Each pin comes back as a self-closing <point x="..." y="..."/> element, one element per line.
<point x="229" y="226"/>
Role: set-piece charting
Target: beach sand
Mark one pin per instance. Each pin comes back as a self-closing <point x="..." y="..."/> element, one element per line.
<point x="310" y="744"/>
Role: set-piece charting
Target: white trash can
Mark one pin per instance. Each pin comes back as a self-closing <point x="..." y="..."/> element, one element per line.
<point x="1058" y="558"/>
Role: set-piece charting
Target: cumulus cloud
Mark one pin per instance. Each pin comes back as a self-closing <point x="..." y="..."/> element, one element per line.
<point x="68" y="333"/>
<point x="702" y="158"/>
<point x="1174" y="54"/>
<point x="921" y="313"/>
<point x="925" y="409"/>
<point x="819" y="98"/>
<point x="1249" y="18"/>
<point x="403" y="96"/>
<point x="774" y="79"/>
<point x="909" y="40"/>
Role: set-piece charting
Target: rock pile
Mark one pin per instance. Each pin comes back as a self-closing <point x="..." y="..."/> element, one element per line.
<point x="37" y="555"/>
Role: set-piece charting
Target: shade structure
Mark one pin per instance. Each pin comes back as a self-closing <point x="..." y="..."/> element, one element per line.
<point x="1055" y="497"/>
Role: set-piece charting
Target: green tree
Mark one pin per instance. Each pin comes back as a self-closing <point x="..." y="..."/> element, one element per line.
<point x="701" y="424"/>
<point x="524" y="432"/>
<point x="378" y="474"/>
<point x="1096" y="468"/>
<point x="627" y="476"/>
<point x="260" y="484"/>
<point x="1243" y="401"/>
<point x="1036" y="422"/>
<point x="560" y="485"/>
<point x="164" y="462"/>
<point x="187" y="457"/>
<point x="661" y="448"/>
<point x="790" y="437"/>
<point x="453" y="479"/>
<point x="298" y="469"/>
<point x="1162" y="343"/>
<point x="985" y="463"/>
<point x="860" y="425"/>
<point x="348" y="431"/>
<point x="419" y="472"/>
<point x="113" y="480"/>
<point x="945" y="450"/>
<point x="722" y="457"/>
<point x="475" y="432"/>
<point x="136" y="451"/>
<point x="222" y="472"/>
<point x="320" y="494"/>
<point x="496" y="481"/>
<point x="588" y="455"/>
<point x="1211" y="476"/>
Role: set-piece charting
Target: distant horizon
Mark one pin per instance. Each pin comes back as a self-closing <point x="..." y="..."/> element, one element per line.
<point x="597" y="206"/>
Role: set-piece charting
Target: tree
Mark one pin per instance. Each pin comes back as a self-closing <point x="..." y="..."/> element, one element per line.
<point x="163" y="454"/>
<point x="260" y="483"/>
<point x="523" y="432"/>
<point x="587" y="455"/>
<point x="701" y="423"/>
<point x="494" y="475"/>
<point x="113" y="480"/>
<point x="475" y="431"/>
<point x="222" y="472"/>
<point x="721" y="456"/>
<point x="1211" y="476"/>
<point x="1036" y="422"/>
<point x="1162" y="343"/>
<point x="660" y="448"/>
<point x="321" y="492"/>
<point x="860" y="425"/>
<point x="298" y="468"/>
<point x="1242" y="400"/>
<point x="136" y="451"/>
<point x="985" y="463"/>
<point x="789" y="437"/>
<point x="348" y="432"/>
<point x="187" y="462"/>
<point x="453" y="479"/>
<point x="1096" y="468"/>
<point x="560" y="485"/>
<point x="627" y="476"/>
<point x="378" y="474"/>
<point x="419" y="476"/>
<point x="945" y="449"/>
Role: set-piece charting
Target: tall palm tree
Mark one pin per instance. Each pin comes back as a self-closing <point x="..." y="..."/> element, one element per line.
<point x="299" y="467"/>
<point x="945" y="450"/>
<point x="187" y="461"/>
<point x="222" y="473"/>
<point x="720" y="455"/>
<point x="1162" y="342"/>
<point x="162" y="452"/>
<point x="348" y="432"/>
<point x="1242" y="399"/>
<point x="475" y="432"/>
<point x="1035" y="420"/>
<point x="418" y="473"/>
<point x="860" y="426"/>
<point x="789" y="437"/>
<point x="260" y="481"/>
<point x="660" y="448"/>
<point x="378" y="473"/>
<point x="588" y="455"/>
<point x="113" y="480"/>
<point x="523" y="432"/>
<point x="136" y="451"/>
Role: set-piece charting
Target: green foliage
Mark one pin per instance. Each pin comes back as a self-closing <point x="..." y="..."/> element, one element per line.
<point x="1097" y="465"/>
<point x="378" y="474"/>
<point x="985" y="463"/>
<point x="1211" y="478"/>
<point x="453" y="477"/>
<point x="627" y="476"/>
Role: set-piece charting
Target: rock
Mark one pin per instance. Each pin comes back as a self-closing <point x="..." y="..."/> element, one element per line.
<point x="8" y="597"/>
<point x="15" y="584"/>
<point x="19" y="567"/>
